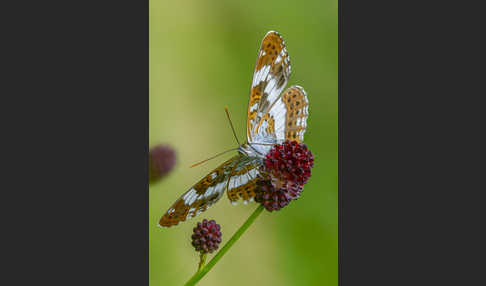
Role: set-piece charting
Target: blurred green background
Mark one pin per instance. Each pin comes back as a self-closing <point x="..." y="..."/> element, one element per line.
<point x="202" y="56"/>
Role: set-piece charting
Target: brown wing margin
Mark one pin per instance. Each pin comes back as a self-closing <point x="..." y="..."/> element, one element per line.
<point x="201" y="196"/>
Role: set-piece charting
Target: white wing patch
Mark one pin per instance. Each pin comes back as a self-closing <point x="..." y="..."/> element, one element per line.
<point x="242" y="186"/>
<point x="261" y="75"/>
<point x="190" y="197"/>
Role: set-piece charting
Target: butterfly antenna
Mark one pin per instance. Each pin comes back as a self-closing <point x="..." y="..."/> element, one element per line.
<point x="232" y="128"/>
<point x="204" y="161"/>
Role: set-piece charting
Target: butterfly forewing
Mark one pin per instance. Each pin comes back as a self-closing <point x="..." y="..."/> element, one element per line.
<point x="202" y="195"/>
<point x="270" y="77"/>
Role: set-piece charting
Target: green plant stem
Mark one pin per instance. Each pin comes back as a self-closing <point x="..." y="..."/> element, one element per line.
<point x="200" y="274"/>
<point x="202" y="260"/>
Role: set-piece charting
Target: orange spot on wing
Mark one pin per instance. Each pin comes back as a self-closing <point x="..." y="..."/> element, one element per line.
<point x="295" y="102"/>
<point x="245" y="192"/>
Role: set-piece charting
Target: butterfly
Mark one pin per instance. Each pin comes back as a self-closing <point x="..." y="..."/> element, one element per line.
<point x="274" y="116"/>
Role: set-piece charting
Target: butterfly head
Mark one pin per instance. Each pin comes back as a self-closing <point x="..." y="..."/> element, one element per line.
<point x="258" y="150"/>
<point x="246" y="150"/>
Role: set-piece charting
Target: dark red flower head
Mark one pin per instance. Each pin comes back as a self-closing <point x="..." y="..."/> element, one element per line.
<point x="287" y="167"/>
<point x="272" y="199"/>
<point x="207" y="236"/>
<point x="290" y="161"/>
<point x="161" y="161"/>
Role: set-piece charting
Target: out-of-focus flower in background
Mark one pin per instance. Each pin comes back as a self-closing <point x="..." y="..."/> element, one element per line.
<point x="162" y="159"/>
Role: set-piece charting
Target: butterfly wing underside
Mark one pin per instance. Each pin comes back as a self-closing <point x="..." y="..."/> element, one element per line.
<point x="202" y="195"/>
<point x="290" y="115"/>
<point x="243" y="181"/>
<point x="270" y="77"/>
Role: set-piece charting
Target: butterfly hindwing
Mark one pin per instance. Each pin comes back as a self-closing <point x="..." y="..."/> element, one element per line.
<point x="243" y="182"/>
<point x="270" y="77"/>
<point x="201" y="196"/>
<point x="297" y="111"/>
